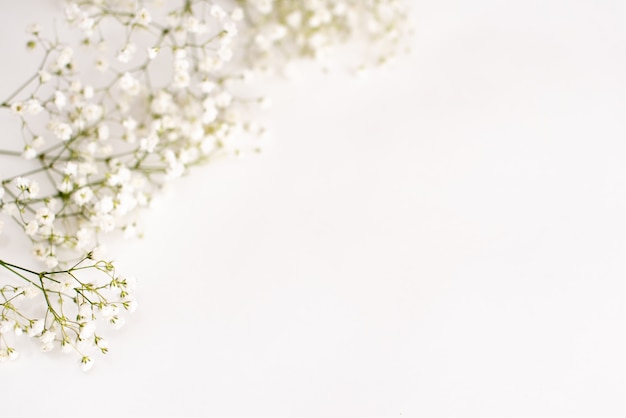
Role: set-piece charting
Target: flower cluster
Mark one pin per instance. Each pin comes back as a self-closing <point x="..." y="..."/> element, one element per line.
<point x="105" y="146"/>
<point x="282" y="31"/>
<point x="76" y="301"/>
<point x="139" y="97"/>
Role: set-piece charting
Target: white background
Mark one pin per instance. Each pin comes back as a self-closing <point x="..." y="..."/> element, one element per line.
<point x="443" y="239"/>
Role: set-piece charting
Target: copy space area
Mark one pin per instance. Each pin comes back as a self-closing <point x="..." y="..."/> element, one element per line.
<point x="444" y="238"/>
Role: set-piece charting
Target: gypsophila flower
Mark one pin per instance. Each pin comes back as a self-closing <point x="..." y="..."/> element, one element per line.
<point x="126" y="53"/>
<point x="31" y="228"/>
<point x="29" y="152"/>
<point x="33" y="106"/>
<point x="138" y="98"/>
<point x="44" y="216"/>
<point x="35" y="327"/>
<point x="143" y="17"/>
<point x="44" y="76"/>
<point x="17" y="108"/>
<point x="60" y="130"/>
<point x="86" y="363"/>
<point x="29" y="291"/>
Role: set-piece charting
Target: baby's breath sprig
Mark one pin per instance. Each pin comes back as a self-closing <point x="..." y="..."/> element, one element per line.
<point x="128" y="96"/>
<point x="283" y="31"/>
<point x="102" y="130"/>
<point x="103" y="148"/>
<point x="63" y="308"/>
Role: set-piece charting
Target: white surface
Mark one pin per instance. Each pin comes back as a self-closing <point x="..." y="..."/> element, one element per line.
<point x="442" y="240"/>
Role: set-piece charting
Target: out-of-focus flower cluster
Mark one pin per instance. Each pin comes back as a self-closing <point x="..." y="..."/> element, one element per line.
<point x="284" y="31"/>
<point x="135" y="95"/>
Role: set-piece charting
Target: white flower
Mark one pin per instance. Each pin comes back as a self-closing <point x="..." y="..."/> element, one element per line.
<point x="103" y="132"/>
<point x="217" y="12"/>
<point x="92" y="112"/>
<point x="51" y="261"/>
<point x="104" y="205"/>
<point x="61" y="130"/>
<point x="47" y="336"/>
<point x="36" y="327"/>
<point x="104" y="222"/>
<point x="129" y="123"/>
<point x="110" y="310"/>
<point x="65" y="57"/>
<point x="129" y="84"/>
<point x="263" y="6"/>
<point x="88" y="92"/>
<point x="66" y="346"/>
<point x="67" y="284"/>
<point x="231" y="29"/>
<point x="294" y="19"/>
<point x="86" y="330"/>
<point x="181" y="79"/>
<point x="175" y="170"/>
<point x="130" y="231"/>
<point x="52" y="204"/>
<point x="6" y="326"/>
<point x="85" y="311"/>
<point x="40" y="251"/>
<point x="83" y="237"/>
<point x="33" y="106"/>
<point x="117" y="322"/>
<point x="66" y="185"/>
<point x="152" y="53"/>
<point x="209" y="63"/>
<point x="181" y="63"/>
<point x="149" y="143"/>
<point x="86" y="24"/>
<point x="38" y="142"/>
<point x="33" y="29"/>
<point x="8" y="354"/>
<point x="86" y="363"/>
<point x="126" y="53"/>
<point x="223" y="99"/>
<point x="44" y="216"/>
<point x="131" y="306"/>
<point x="265" y="102"/>
<point x="276" y="32"/>
<point x="161" y="102"/>
<point x="102" y="64"/>
<point x="28" y="188"/>
<point x="30" y="291"/>
<point x="17" y="108"/>
<point x="237" y="14"/>
<point x="72" y="12"/>
<point x="31" y="228"/>
<point x="209" y="115"/>
<point x="44" y="76"/>
<point x="126" y="202"/>
<point x="192" y="25"/>
<point x="102" y="344"/>
<point x="82" y="196"/>
<point x="29" y="152"/>
<point x="47" y="346"/>
<point x="142" y="17"/>
<point x="225" y="53"/>
<point x="99" y="252"/>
